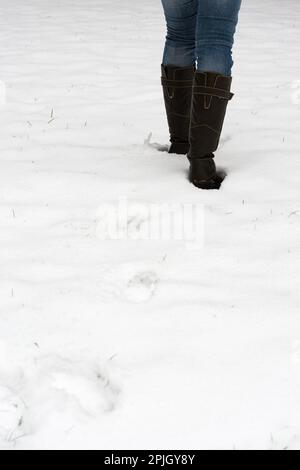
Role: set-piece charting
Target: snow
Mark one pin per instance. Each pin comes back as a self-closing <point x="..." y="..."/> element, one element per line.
<point x="134" y="344"/>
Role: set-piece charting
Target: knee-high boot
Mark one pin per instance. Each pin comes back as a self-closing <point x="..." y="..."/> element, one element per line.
<point x="210" y="96"/>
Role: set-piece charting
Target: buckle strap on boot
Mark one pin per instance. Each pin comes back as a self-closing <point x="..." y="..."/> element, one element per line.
<point x="211" y="91"/>
<point x="176" y="83"/>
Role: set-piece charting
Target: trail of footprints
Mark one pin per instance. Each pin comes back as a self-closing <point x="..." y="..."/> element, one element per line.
<point x="133" y="282"/>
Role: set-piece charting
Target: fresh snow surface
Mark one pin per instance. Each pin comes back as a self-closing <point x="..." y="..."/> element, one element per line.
<point x="144" y="344"/>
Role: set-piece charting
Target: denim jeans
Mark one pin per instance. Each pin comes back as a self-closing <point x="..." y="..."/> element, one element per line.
<point x="201" y="33"/>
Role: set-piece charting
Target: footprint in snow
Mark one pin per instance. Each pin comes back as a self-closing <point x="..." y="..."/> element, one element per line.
<point x="141" y="287"/>
<point x="58" y="392"/>
<point x="122" y="220"/>
<point x="85" y="386"/>
<point x="130" y="282"/>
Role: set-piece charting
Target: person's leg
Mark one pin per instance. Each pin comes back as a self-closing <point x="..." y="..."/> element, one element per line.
<point x="181" y="19"/>
<point x="216" y="25"/>
<point x="178" y="69"/>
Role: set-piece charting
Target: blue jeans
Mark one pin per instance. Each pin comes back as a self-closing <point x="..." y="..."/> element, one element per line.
<point x="201" y="33"/>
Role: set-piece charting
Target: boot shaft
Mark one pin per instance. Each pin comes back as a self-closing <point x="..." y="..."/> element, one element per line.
<point x="210" y="96"/>
<point x="177" y="85"/>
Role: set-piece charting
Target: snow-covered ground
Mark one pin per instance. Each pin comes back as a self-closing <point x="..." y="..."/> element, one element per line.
<point x="144" y="344"/>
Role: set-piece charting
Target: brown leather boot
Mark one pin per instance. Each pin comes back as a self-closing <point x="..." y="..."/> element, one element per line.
<point x="177" y="85"/>
<point x="211" y="93"/>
